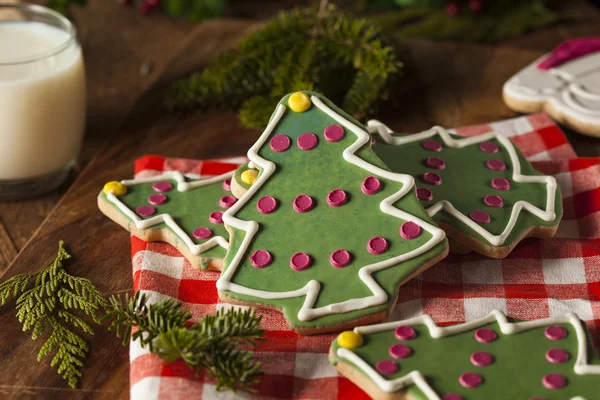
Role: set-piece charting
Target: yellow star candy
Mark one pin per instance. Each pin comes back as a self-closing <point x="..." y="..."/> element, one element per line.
<point x="249" y="176"/>
<point x="299" y="102"/>
<point x="117" y="188"/>
<point x="350" y="340"/>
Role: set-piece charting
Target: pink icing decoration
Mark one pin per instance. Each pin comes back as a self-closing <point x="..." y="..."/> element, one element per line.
<point x="303" y="203"/>
<point x="340" y="258"/>
<point x="410" y="230"/>
<point x="496" y="165"/>
<point x="424" y="194"/>
<point x="554" y="381"/>
<point x="452" y="396"/>
<point x="493" y="201"/>
<point x="489" y="147"/>
<point x="405" y="333"/>
<point x="436" y="162"/>
<point x="386" y="367"/>
<point x="216" y="217"/>
<point x="557" y="356"/>
<point x="334" y="133"/>
<point x="261" y="258"/>
<point x="480" y="216"/>
<point x="481" y="359"/>
<point x="485" y="335"/>
<point x="431" y="145"/>
<point x="280" y="143"/>
<point x="266" y="205"/>
<point x="162" y="187"/>
<point x="202" y="233"/>
<point x="300" y="261"/>
<point x="500" y="184"/>
<point x="400" y="351"/>
<point x="370" y="185"/>
<point x="336" y="198"/>
<point x="307" y="141"/>
<point x="555" y="332"/>
<point x="377" y="245"/>
<point x="570" y="50"/>
<point x="470" y="380"/>
<point x="432" y="178"/>
<point x="157" y="199"/>
<point x="227" y="185"/>
<point x="145" y="211"/>
<point x="227" y="201"/>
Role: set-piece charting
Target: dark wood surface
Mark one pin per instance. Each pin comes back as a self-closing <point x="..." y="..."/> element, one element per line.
<point x="453" y="85"/>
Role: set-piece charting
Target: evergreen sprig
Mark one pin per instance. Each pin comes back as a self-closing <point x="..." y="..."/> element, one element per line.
<point x="213" y="344"/>
<point x="324" y="49"/>
<point x="49" y="301"/>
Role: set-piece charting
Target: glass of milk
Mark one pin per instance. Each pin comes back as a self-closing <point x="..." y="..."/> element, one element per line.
<point x="42" y="100"/>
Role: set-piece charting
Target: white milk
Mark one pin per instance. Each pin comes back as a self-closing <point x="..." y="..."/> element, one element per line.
<point x="42" y="102"/>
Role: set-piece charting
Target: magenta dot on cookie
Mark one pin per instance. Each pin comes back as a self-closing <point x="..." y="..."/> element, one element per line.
<point x="202" y="233"/>
<point x="435" y="162"/>
<point x="480" y="216"/>
<point x="334" y="133"/>
<point x="432" y="178"/>
<point x="307" y="141"/>
<point x="424" y="194"/>
<point x="409" y="230"/>
<point x="370" y="185"/>
<point x="500" y="184"/>
<point x="145" y="211"/>
<point x="405" y="333"/>
<point x="554" y="381"/>
<point x="489" y="147"/>
<point x="162" y="186"/>
<point x="431" y="145"/>
<point x="481" y="358"/>
<point x="280" y="143"/>
<point x="485" y="335"/>
<point x="493" y="201"/>
<point x="340" y="258"/>
<point x="157" y="199"/>
<point x="555" y="332"/>
<point x="216" y="217"/>
<point x="386" y="367"/>
<point x="227" y="185"/>
<point x="470" y="380"/>
<point x="303" y="203"/>
<point x="300" y="261"/>
<point x="227" y="201"/>
<point x="377" y="245"/>
<point x="261" y="259"/>
<point x="557" y="356"/>
<point x="400" y="351"/>
<point x="496" y="165"/>
<point x="266" y="205"/>
<point x="337" y="197"/>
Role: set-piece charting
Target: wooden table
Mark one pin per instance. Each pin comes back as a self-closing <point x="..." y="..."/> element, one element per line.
<point x="455" y="85"/>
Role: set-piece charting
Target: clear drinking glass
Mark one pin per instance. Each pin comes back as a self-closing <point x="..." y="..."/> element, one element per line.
<point x="42" y="100"/>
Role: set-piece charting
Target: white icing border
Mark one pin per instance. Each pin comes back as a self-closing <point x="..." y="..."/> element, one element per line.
<point x="548" y="214"/>
<point x="182" y="186"/>
<point x="312" y="288"/>
<point x="581" y="366"/>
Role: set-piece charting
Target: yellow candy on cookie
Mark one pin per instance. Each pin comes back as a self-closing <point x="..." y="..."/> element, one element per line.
<point x="117" y="188"/>
<point x="249" y="176"/>
<point x="350" y="339"/>
<point x="299" y="102"/>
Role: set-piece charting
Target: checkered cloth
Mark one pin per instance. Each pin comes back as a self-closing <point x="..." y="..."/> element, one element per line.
<point x="537" y="280"/>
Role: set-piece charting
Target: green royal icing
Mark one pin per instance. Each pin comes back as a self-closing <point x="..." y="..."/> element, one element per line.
<point x="324" y="229"/>
<point x="518" y="369"/>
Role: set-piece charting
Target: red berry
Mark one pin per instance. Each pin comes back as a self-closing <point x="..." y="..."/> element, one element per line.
<point x="153" y="3"/>
<point x="452" y="9"/>
<point x="146" y="8"/>
<point x="476" y="6"/>
<point x="126" y="2"/>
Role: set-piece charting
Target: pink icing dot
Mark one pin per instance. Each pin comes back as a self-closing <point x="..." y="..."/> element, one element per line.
<point x="162" y="187"/>
<point x="435" y="162"/>
<point x="432" y="178"/>
<point x="410" y="230"/>
<point x="405" y="333"/>
<point x="307" y="141"/>
<point x="280" y="143"/>
<point x="377" y="245"/>
<point x="424" y="194"/>
<point x="300" y="261"/>
<point x="493" y="201"/>
<point x="336" y="198"/>
<point x="157" y="199"/>
<point x="227" y="201"/>
<point x="202" y="233"/>
<point x="480" y="216"/>
<point x="554" y="381"/>
<point x="400" y="351"/>
<point x="334" y="133"/>
<point x="227" y="185"/>
<point x="370" y="185"/>
<point x="431" y="145"/>
<point x="266" y="205"/>
<point x="452" y="396"/>
<point x="340" y="258"/>
<point x="496" y="165"/>
<point x="261" y="258"/>
<point x="557" y="356"/>
<point x="481" y="359"/>
<point x="489" y="147"/>
<point x="470" y="380"/>
<point x="216" y="217"/>
<point x="145" y="211"/>
<point x="555" y="332"/>
<point x="386" y="367"/>
<point x="303" y="203"/>
<point x="485" y="335"/>
<point x="500" y="184"/>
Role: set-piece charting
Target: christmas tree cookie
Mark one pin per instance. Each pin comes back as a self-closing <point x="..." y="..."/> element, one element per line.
<point x="187" y="213"/>
<point x="324" y="232"/>
<point x="489" y="359"/>
<point x="481" y="190"/>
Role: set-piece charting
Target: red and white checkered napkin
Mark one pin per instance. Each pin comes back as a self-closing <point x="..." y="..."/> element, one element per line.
<point x="537" y="280"/>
